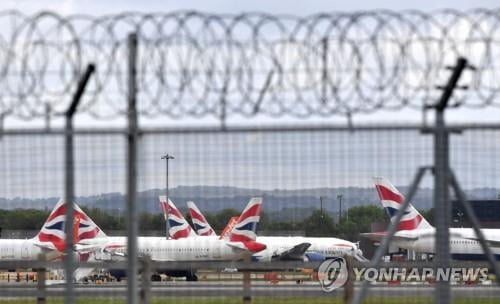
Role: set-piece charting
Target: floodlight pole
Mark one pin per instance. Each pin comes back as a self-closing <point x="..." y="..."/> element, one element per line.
<point x="321" y="206"/>
<point x="167" y="157"/>
<point x="339" y="197"/>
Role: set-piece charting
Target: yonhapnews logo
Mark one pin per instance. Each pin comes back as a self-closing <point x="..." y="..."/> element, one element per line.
<point x="454" y="274"/>
<point x="332" y="274"/>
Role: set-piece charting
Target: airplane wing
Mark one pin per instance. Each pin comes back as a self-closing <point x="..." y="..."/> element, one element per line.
<point x="45" y="245"/>
<point x="250" y="246"/>
<point x="378" y="236"/>
<point x="237" y="245"/>
<point x="292" y="254"/>
<point x="112" y="249"/>
<point x="87" y="248"/>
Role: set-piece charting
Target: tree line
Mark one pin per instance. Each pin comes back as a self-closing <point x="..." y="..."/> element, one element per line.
<point x="319" y="223"/>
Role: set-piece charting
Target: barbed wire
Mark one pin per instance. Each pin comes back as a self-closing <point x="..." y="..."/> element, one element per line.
<point x="194" y="64"/>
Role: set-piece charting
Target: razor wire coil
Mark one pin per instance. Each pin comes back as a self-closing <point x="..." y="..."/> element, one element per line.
<point x="194" y="64"/>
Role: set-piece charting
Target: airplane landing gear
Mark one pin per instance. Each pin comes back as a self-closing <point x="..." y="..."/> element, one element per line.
<point x="192" y="278"/>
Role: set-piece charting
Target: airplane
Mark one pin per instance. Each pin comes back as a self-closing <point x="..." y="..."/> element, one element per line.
<point x="50" y="238"/>
<point x="200" y="223"/>
<point x="50" y="241"/>
<point x="287" y="248"/>
<point x="178" y="226"/>
<point x="415" y="233"/>
<point x="239" y="244"/>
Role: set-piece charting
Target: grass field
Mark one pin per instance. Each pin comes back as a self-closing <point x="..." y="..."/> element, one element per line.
<point x="264" y="300"/>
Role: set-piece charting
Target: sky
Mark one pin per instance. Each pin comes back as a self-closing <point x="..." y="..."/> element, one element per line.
<point x="295" y="7"/>
<point x="32" y="166"/>
<point x="267" y="161"/>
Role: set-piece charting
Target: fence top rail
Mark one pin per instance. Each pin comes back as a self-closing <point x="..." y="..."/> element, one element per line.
<point x="221" y="265"/>
<point x="243" y="129"/>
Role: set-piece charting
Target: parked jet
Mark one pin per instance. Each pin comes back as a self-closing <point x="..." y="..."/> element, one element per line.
<point x="415" y="233"/>
<point x="241" y="242"/>
<point x="287" y="248"/>
<point x="50" y="241"/>
<point x="179" y="228"/>
<point x="200" y="223"/>
<point x="51" y="238"/>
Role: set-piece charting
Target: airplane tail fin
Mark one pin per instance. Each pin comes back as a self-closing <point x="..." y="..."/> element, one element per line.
<point x="178" y="226"/>
<point x="53" y="229"/>
<point x="391" y="199"/>
<point x="245" y="226"/>
<point x="76" y="228"/>
<point x="227" y="230"/>
<point x="200" y="223"/>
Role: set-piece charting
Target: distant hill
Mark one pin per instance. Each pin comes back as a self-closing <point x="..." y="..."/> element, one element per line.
<point x="277" y="203"/>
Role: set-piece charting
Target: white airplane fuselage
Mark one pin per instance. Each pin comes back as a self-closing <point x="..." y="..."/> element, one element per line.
<point x="324" y="246"/>
<point x="19" y="249"/>
<point x="189" y="249"/>
<point x="186" y="249"/>
<point x="463" y="242"/>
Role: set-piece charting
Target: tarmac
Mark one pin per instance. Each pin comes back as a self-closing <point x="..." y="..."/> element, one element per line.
<point x="235" y="289"/>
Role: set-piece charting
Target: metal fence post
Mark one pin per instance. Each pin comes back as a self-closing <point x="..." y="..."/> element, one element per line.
<point x="40" y="277"/>
<point x="349" y="285"/>
<point x="2" y="118"/>
<point x="69" y="263"/>
<point x="132" y="226"/>
<point x="441" y="183"/>
<point x="324" y="70"/>
<point x="441" y="205"/>
<point x="247" y="284"/>
<point x="146" y="278"/>
<point x="48" y="112"/>
<point x="223" y="105"/>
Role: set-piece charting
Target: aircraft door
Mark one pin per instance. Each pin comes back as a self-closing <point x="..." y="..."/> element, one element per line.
<point x="217" y="252"/>
<point x="24" y="251"/>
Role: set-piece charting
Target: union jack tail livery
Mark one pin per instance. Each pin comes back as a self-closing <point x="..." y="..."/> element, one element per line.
<point x="245" y="226"/>
<point x="392" y="200"/>
<point x="200" y="223"/>
<point x="178" y="226"/>
<point x="53" y="229"/>
<point x="227" y="230"/>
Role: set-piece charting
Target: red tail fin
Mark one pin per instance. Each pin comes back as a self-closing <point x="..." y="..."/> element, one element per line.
<point x="229" y="227"/>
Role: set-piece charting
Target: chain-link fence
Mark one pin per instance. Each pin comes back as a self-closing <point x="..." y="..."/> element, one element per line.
<point x="314" y="181"/>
